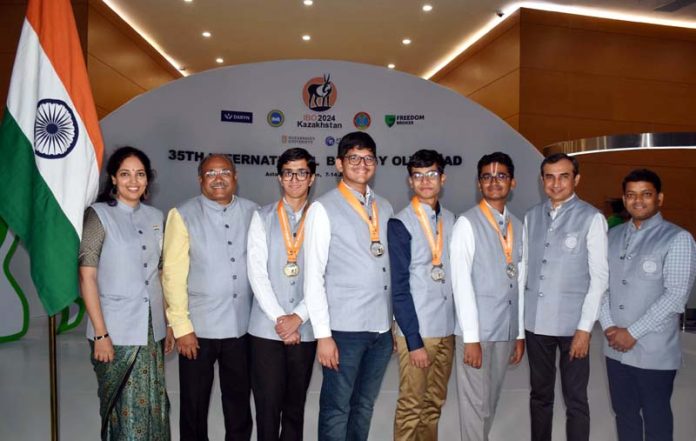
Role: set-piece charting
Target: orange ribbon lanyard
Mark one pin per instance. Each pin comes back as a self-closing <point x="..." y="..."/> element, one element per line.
<point x="435" y="248"/>
<point x="292" y="245"/>
<point x="505" y="242"/>
<point x="372" y="222"/>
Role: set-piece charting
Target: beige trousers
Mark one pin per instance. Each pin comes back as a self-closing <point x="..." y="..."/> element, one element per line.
<point x="422" y="392"/>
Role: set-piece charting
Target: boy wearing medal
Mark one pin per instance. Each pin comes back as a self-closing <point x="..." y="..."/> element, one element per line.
<point x="422" y="299"/>
<point x="282" y="343"/>
<point x="347" y="291"/>
<point x="487" y="277"/>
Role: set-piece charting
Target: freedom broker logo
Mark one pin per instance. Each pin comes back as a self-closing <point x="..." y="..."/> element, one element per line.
<point x="236" y="117"/>
<point x="402" y="120"/>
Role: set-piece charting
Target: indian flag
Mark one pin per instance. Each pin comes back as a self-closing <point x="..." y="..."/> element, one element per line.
<point x="50" y="149"/>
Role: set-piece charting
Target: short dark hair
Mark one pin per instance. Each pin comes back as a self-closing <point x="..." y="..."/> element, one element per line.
<point x="426" y="158"/>
<point x="297" y="154"/>
<point x="212" y="156"/>
<point x="556" y="157"/>
<point x="500" y="158"/>
<point x="360" y="140"/>
<point x="642" y="175"/>
<point x="114" y="163"/>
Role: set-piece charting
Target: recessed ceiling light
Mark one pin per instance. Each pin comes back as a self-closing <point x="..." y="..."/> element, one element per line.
<point x="306" y="37"/>
<point x="391" y="65"/>
<point x="182" y="68"/>
<point x="219" y="60"/>
<point x="188" y="1"/>
<point x="406" y="41"/>
<point x="206" y="34"/>
<point x="427" y="7"/>
<point x="308" y="2"/>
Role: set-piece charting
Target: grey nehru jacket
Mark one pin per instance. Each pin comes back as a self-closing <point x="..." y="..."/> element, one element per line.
<point x="128" y="273"/>
<point x="357" y="283"/>
<point x="288" y="290"/>
<point x="558" y="275"/>
<point x="635" y="283"/>
<point x="433" y="300"/>
<point x="497" y="295"/>
<point x="219" y="295"/>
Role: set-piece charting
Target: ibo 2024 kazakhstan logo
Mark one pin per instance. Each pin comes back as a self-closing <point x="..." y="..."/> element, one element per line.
<point x="319" y="94"/>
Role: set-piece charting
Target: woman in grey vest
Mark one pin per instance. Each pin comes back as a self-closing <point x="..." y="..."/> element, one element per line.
<point x="119" y="280"/>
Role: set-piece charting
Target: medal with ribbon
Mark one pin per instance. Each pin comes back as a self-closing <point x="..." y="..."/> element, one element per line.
<point x="292" y="243"/>
<point x="376" y="247"/>
<point x="437" y="273"/>
<point x="506" y="242"/>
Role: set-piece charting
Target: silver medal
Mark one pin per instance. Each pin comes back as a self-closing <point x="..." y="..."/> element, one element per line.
<point x="291" y="269"/>
<point x="437" y="273"/>
<point x="511" y="270"/>
<point x="377" y="249"/>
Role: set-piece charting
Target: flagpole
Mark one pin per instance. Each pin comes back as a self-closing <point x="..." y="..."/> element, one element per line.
<point x="53" y="375"/>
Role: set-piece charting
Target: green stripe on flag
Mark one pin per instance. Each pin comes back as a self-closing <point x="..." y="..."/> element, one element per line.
<point x="33" y="214"/>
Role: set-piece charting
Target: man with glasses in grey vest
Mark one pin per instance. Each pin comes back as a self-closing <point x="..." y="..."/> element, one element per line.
<point x="488" y="275"/>
<point x="209" y="299"/>
<point x="347" y="291"/>
<point x="652" y="265"/>
<point x="567" y="275"/>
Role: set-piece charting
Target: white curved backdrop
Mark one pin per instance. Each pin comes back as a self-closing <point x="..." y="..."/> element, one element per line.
<point x="230" y="110"/>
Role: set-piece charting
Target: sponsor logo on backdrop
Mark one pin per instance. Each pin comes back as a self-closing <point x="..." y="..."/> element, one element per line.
<point x="319" y="93"/>
<point x="330" y="141"/>
<point x="295" y="140"/>
<point x="275" y="118"/>
<point x="403" y="120"/>
<point x="236" y="116"/>
<point x="362" y="120"/>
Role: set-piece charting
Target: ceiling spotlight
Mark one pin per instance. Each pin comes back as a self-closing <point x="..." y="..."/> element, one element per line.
<point x="188" y="1"/>
<point x="406" y="41"/>
<point x="427" y="7"/>
<point x="308" y="2"/>
<point x="306" y="37"/>
<point x="206" y="34"/>
<point x="219" y="60"/>
<point x="391" y="65"/>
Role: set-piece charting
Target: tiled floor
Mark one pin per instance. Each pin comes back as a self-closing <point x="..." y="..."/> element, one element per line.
<point x="24" y="399"/>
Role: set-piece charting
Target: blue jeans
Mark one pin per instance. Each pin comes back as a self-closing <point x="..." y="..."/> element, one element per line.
<point x="348" y="395"/>
<point x="640" y="399"/>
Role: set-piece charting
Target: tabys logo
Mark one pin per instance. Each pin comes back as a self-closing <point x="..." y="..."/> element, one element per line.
<point x="236" y="117"/>
<point x="319" y="94"/>
<point x="402" y="120"/>
<point x="297" y="140"/>
<point x="275" y="118"/>
<point x="362" y="120"/>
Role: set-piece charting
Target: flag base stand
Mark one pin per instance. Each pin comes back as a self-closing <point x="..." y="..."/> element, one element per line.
<point x="53" y="369"/>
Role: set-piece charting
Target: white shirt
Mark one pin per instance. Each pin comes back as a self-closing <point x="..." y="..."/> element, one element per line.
<point x="316" y="255"/>
<point x="597" y="246"/>
<point x="257" y="270"/>
<point x="462" y="250"/>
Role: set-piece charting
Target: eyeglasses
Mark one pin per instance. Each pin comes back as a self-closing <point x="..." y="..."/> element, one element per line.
<point x="487" y="177"/>
<point x="300" y="175"/>
<point x="223" y="173"/>
<point x="429" y="175"/>
<point x="356" y="159"/>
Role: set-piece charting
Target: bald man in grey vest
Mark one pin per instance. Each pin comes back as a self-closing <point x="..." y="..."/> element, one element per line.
<point x="652" y="265"/>
<point x="209" y="299"/>
<point x="567" y="275"/>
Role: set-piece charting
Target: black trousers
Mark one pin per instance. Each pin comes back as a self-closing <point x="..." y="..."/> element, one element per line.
<point x="541" y="352"/>
<point x="280" y="377"/>
<point x="640" y="399"/>
<point x="196" y="382"/>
